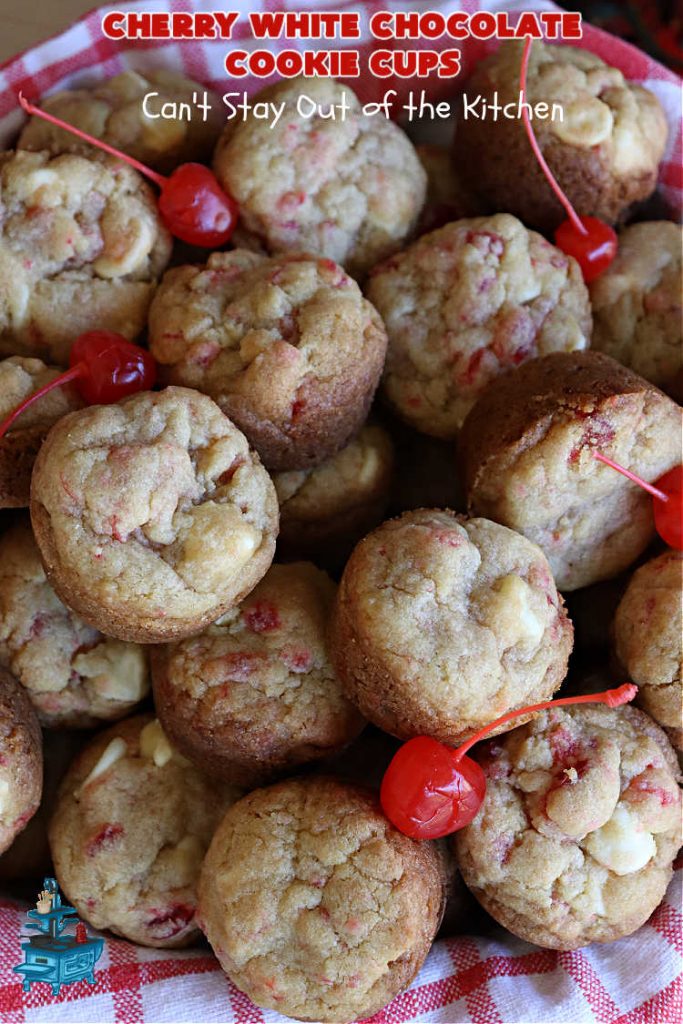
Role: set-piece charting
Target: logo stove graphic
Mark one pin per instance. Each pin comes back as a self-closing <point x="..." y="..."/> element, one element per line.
<point x="51" y="956"/>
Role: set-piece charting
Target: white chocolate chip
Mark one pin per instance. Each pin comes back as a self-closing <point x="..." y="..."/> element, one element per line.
<point x="586" y="123"/>
<point x="114" y="750"/>
<point x="218" y="544"/>
<point x="621" y="845"/>
<point x="369" y="466"/>
<point x="4" y="792"/>
<point x="509" y="605"/>
<point x="118" y="670"/>
<point x="127" y="242"/>
<point x="155" y="746"/>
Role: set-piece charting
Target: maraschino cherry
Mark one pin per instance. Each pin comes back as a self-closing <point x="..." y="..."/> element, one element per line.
<point x="430" y="790"/>
<point x="192" y="204"/>
<point x="668" y="504"/>
<point x="591" y="242"/>
<point x="104" y="367"/>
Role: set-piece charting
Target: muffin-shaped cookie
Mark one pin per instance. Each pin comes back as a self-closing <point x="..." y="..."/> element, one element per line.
<point x="325" y="510"/>
<point x="314" y="904"/>
<point x="73" y="675"/>
<point x="466" y="303"/>
<point x="527" y="449"/>
<point x="443" y="623"/>
<point x="113" y="111"/>
<point x="287" y="347"/>
<point x="21" y="760"/>
<point x="81" y="246"/>
<point x="256" y="694"/>
<point x="19" y="378"/>
<point x="647" y="639"/>
<point x="153" y="517"/>
<point x="637" y="304"/>
<point x="131" y="825"/>
<point x="28" y="858"/>
<point x="350" y="189"/>
<point x="580" y="824"/>
<point x="603" y="137"/>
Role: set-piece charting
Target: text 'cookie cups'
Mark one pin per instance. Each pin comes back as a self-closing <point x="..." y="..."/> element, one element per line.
<point x="288" y="348"/>
<point x="604" y="150"/>
<point x="466" y="303"/>
<point x="74" y="676"/>
<point x="575" y="839"/>
<point x="21" y="760"/>
<point x="130" y="828"/>
<point x="348" y="189"/>
<point x="443" y="623"/>
<point x="255" y="694"/>
<point x="528" y="454"/>
<point x="81" y="248"/>
<point x="153" y="517"/>
<point x="337" y="912"/>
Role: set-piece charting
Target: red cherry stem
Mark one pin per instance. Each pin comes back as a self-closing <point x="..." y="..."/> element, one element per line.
<point x="571" y="212"/>
<point x="654" y="491"/>
<point x="612" y="698"/>
<point x="30" y="108"/>
<point x="79" y="370"/>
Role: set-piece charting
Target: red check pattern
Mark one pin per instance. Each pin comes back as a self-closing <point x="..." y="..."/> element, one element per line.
<point x="466" y="980"/>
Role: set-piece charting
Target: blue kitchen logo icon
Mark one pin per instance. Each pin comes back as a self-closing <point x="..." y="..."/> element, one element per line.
<point x="52" y="956"/>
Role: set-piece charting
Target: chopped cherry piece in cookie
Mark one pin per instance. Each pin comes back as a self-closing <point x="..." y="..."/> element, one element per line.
<point x="104" y="367"/>
<point x="192" y="204"/>
<point x="430" y="790"/>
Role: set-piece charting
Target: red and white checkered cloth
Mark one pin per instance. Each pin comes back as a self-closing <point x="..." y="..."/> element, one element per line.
<point x="637" y="980"/>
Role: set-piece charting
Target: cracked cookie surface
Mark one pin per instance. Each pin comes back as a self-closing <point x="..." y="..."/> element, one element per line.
<point x="153" y="516"/>
<point x="337" y="913"/>
<point x="467" y="303"/>
<point x="443" y="623"/>
<point x="648" y="641"/>
<point x="81" y="247"/>
<point x="288" y="348"/>
<point x="256" y="694"/>
<point x="350" y="190"/>
<point x="130" y="828"/>
<point x="580" y="824"/>
<point x="636" y="305"/>
<point x="74" y="676"/>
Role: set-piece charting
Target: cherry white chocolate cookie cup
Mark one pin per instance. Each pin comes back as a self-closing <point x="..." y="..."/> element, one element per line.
<point x="348" y="190"/>
<point x="81" y="247"/>
<point x="255" y="694"/>
<point x="335" y="915"/>
<point x="21" y="764"/>
<point x="153" y="516"/>
<point x="442" y="623"/>
<point x="74" y="676"/>
<point x="287" y="347"/>
<point x="130" y="827"/>
<point x="576" y="837"/>
<point x="528" y="447"/>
